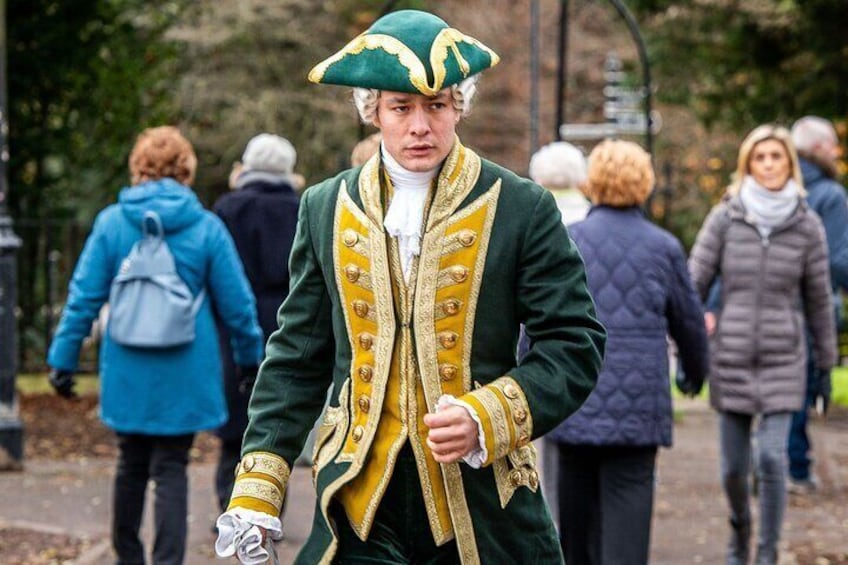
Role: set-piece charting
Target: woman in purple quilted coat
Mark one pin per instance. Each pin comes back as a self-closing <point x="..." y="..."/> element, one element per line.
<point x="638" y="277"/>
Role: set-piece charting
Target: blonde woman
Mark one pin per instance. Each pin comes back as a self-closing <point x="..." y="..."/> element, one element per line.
<point x="770" y="250"/>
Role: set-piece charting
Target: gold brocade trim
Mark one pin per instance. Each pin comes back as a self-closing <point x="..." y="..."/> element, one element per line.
<point x="505" y="490"/>
<point x="463" y="527"/>
<point x="489" y="201"/>
<point x="259" y="489"/>
<point x="502" y="442"/>
<point x="457" y="178"/>
<point x="446" y="40"/>
<point x="370" y="190"/>
<point x="265" y="463"/>
<point x="331" y="432"/>
<point x="520" y="417"/>
<point x="389" y="44"/>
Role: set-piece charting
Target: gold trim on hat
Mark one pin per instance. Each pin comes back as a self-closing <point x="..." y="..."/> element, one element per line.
<point x="446" y="41"/>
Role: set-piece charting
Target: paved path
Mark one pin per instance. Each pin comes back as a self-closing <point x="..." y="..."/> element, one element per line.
<point x="689" y="519"/>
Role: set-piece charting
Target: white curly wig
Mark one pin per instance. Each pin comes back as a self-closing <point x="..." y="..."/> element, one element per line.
<point x="462" y="94"/>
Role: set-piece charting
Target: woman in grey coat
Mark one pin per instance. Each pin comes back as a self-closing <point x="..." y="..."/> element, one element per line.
<point x="770" y="250"/>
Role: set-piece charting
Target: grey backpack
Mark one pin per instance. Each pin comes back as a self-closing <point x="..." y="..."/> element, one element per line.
<point x="149" y="304"/>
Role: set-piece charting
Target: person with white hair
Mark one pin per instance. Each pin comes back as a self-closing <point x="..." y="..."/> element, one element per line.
<point x="561" y="168"/>
<point x="818" y="151"/>
<point x="261" y="215"/>
<point x="410" y="277"/>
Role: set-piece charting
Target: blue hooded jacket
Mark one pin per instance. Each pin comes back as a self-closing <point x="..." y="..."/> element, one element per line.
<point x="161" y="391"/>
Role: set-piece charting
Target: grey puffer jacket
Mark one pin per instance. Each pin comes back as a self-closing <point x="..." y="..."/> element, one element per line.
<point x="769" y="286"/>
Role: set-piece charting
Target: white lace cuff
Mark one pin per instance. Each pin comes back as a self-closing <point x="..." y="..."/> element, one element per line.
<point x="477" y="457"/>
<point x="239" y="535"/>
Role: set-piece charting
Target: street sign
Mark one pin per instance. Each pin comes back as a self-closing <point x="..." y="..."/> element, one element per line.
<point x="627" y="123"/>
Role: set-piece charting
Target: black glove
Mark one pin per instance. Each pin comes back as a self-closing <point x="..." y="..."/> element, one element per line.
<point x="246" y="378"/>
<point x="63" y="383"/>
<point x="823" y="390"/>
<point x="687" y="386"/>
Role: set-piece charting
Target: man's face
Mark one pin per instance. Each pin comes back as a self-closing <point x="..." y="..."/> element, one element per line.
<point x="418" y="131"/>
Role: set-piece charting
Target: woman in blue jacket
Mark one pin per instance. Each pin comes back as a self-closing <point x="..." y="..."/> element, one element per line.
<point x="156" y="399"/>
<point x="607" y="449"/>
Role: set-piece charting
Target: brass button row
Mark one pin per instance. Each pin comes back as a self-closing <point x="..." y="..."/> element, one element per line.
<point x="447" y="372"/>
<point x="448" y="339"/>
<point x="466" y="238"/>
<point x="350" y="237"/>
<point x="364" y="403"/>
<point x="365" y="373"/>
<point x="366" y="341"/>
<point x="361" y="308"/>
<point x="458" y="273"/>
<point x="516" y="477"/>
<point x="451" y="306"/>
<point x="352" y="272"/>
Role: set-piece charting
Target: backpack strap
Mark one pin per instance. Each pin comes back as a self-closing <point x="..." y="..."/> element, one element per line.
<point x="198" y="301"/>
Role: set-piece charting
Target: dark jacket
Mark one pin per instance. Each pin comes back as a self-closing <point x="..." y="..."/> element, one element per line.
<point x="769" y="286"/>
<point x="827" y="198"/>
<point x="637" y="275"/>
<point x="261" y="217"/>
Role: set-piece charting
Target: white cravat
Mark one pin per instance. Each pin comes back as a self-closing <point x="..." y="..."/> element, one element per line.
<point x="405" y="217"/>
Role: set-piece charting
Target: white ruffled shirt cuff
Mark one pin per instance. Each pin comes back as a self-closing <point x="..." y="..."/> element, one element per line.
<point x="239" y="535"/>
<point x="477" y="457"/>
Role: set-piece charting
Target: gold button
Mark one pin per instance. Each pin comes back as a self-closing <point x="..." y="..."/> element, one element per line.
<point x="248" y="463"/>
<point x="448" y="339"/>
<point x="510" y="391"/>
<point x="352" y="273"/>
<point x="459" y="273"/>
<point x="451" y="307"/>
<point x="361" y="308"/>
<point x="523" y="440"/>
<point x="366" y="341"/>
<point x="534" y="479"/>
<point x="365" y="373"/>
<point x="467" y="237"/>
<point x="447" y="372"/>
<point x="358" y="432"/>
<point x="350" y="238"/>
<point x="520" y="416"/>
<point x="515" y="477"/>
<point x="237" y="469"/>
<point x="364" y="403"/>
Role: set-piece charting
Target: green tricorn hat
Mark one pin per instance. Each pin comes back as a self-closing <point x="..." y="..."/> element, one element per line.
<point x="406" y="51"/>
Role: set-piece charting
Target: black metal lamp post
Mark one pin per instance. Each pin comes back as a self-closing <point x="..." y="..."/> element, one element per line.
<point x="11" y="430"/>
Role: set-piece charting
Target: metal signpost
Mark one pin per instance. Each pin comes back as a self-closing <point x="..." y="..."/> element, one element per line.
<point x="624" y="110"/>
<point x="11" y="430"/>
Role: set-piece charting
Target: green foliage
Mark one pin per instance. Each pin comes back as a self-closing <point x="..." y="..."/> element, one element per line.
<point x="750" y="62"/>
<point x="84" y="77"/>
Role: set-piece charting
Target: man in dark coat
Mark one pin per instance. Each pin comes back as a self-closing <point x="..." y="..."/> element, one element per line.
<point x="261" y="215"/>
<point x="818" y="151"/>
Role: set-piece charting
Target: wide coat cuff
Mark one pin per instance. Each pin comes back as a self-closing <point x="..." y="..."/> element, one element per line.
<point x="504" y="415"/>
<point x="261" y="480"/>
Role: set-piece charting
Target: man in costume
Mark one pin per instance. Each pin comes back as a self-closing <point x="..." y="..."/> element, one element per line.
<point x="410" y="277"/>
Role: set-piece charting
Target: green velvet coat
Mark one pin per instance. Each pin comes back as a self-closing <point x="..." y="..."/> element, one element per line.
<point x="494" y="255"/>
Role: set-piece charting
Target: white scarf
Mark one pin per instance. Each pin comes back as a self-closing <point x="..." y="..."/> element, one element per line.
<point x="768" y="208"/>
<point x="405" y="216"/>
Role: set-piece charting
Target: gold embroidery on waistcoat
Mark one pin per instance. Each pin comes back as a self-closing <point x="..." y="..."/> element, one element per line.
<point x="370" y="337"/>
<point x="449" y="310"/>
